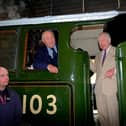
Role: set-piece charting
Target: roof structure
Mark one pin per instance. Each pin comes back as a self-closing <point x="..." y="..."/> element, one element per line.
<point x="61" y="18"/>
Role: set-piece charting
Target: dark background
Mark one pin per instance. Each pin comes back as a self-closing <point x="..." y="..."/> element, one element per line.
<point x="38" y="8"/>
<point x="13" y="9"/>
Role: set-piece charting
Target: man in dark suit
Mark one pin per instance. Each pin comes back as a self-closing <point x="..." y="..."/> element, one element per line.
<point x="46" y="55"/>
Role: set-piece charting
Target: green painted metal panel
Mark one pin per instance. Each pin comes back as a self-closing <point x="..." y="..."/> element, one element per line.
<point x="46" y="104"/>
<point x="121" y="78"/>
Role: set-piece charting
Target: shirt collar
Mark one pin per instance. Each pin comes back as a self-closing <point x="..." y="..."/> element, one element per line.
<point x="107" y="50"/>
<point x="50" y="51"/>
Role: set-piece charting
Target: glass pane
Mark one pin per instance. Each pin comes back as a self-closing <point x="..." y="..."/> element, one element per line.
<point x="86" y="38"/>
<point x="8" y="48"/>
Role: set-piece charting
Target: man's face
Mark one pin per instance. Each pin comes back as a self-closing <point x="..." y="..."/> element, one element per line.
<point x="49" y="39"/>
<point x="4" y="78"/>
<point x="103" y="41"/>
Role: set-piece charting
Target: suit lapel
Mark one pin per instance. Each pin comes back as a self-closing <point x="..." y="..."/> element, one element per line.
<point x="109" y="55"/>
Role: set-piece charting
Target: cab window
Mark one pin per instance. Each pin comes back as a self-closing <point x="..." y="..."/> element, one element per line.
<point x="33" y="44"/>
<point x="8" y="46"/>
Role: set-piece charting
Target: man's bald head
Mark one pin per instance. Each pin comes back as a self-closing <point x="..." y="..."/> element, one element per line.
<point x="2" y="68"/>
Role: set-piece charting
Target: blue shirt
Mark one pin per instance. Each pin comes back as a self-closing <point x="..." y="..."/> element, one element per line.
<point x="51" y="52"/>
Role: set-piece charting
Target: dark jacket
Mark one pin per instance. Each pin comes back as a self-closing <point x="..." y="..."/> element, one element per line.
<point x="42" y="59"/>
<point x="11" y="111"/>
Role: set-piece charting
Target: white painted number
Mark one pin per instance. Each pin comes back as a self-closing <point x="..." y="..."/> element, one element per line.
<point x="24" y="104"/>
<point x="33" y="98"/>
<point x="52" y="108"/>
<point x="52" y="104"/>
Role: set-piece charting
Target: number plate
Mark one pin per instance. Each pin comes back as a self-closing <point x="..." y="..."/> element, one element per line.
<point x="46" y="104"/>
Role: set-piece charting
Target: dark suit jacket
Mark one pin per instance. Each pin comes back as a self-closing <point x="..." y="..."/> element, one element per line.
<point x="42" y="58"/>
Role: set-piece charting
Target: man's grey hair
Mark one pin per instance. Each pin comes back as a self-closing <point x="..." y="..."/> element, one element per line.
<point x="107" y="35"/>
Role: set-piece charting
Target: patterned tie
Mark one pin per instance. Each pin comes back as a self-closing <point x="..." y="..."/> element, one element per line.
<point x="104" y="56"/>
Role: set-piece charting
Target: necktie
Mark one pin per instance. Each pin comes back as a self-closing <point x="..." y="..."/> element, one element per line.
<point x="104" y="56"/>
<point x="54" y="52"/>
<point x="54" y="58"/>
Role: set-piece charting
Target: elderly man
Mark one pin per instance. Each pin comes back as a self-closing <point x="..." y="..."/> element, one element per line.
<point x="10" y="105"/>
<point x="46" y="55"/>
<point x="106" y="84"/>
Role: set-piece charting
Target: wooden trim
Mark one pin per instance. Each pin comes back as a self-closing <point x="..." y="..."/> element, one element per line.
<point x="25" y="51"/>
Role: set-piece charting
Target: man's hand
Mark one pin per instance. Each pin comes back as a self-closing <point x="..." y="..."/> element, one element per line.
<point x="52" y="69"/>
<point x="109" y="73"/>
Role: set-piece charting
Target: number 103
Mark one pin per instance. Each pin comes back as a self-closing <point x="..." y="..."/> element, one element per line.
<point x="37" y="110"/>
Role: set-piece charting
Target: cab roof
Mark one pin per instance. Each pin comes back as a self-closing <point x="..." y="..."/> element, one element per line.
<point x="61" y="18"/>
